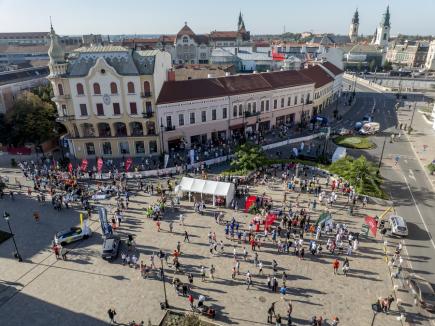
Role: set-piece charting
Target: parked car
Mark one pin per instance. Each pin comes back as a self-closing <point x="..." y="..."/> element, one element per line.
<point x="423" y="292"/>
<point x="345" y="132"/>
<point x="110" y="248"/>
<point x="72" y="235"/>
<point x="398" y="226"/>
<point x="369" y="128"/>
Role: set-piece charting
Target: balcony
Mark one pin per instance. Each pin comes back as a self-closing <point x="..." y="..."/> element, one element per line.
<point x="170" y="128"/>
<point x="147" y="115"/>
<point x="251" y="114"/>
<point x="64" y="118"/>
<point x="145" y="94"/>
<point x="61" y="97"/>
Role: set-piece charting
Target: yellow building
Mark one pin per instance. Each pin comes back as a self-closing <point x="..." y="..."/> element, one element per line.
<point x="105" y="96"/>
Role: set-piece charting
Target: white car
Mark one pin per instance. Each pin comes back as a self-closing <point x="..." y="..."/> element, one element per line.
<point x="72" y="235"/>
<point x="398" y="226"/>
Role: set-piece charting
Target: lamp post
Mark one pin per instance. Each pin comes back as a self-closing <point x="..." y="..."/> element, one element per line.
<point x="166" y="304"/>
<point x="6" y="216"/>
<point x="412" y="119"/>
<point x="161" y="135"/>
<point x="382" y="155"/>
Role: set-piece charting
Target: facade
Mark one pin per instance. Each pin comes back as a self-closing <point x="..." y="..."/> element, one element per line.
<point x="363" y="56"/>
<point x="382" y="34"/>
<point x="32" y="38"/>
<point x="353" y="30"/>
<point x="92" y="39"/>
<point x="430" y="60"/>
<point x="195" y="112"/>
<point x="408" y="54"/>
<point x="105" y="96"/>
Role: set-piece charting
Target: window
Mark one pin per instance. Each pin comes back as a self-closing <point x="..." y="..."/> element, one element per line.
<point x="97" y="89"/>
<point x="224" y="113"/>
<point x="116" y="109"/>
<point x="149" y="107"/>
<point x="302" y="99"/>
<point x="235" y="111"/>
<point x="146" y="88"/>
<point x="267" y="105"/>
<point x="185" y="39"/>
<point x="100" y="109"/>
<point x="181" y="119"/>
<point x="289" y="101"/>
<point x="80" y="90"/>
<point x="64" y="111"/>
<point x="153" y="146"/>
<point x="60" y="89"/>
<point x="282" y="102"/>
<point x="130" y="88"/>
<point x="308" y="98"/>
<point x="113" y="88"/>
<point x="249" y="107"/>
<point x="213" y="114"/>
<point x="140" y="147"/>
<point x="296" y="100"/>
<point x="83" y="110"/>
<point x="254" y="107"/>
<point x="133" y="108"/>
<point x="203" y="116"/>
<point x="262" y="106"/>
<point x="123" y="148"/>
<point x="90" y="148"/>
<point x="192" y="118"/>
<point x="169" y="122"/>
<point x="240" y="110"/>
<point x="107" y="148"/>
<point x="275" y="103"/>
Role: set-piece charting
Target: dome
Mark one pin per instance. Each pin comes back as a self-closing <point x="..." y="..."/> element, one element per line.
<point x="55" y="52"/>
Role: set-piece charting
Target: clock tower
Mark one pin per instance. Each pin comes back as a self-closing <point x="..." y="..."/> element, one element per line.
<point x="353" y="30"/>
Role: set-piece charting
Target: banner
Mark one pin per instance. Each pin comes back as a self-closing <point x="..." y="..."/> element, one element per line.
<point x="70" y="167"/>
<point x="277" y="56"/>
<point x="166" y="160"/>
<point x="84" y="165"/>
<point x="372" y="223"/>
<point x="270" y="219"/>
<point x="250" y="201"/>
<point x="100" y="165"/>
<point x="105" y="226"/>
<point x="192" y="156"/>
<point x="128" y="163"/>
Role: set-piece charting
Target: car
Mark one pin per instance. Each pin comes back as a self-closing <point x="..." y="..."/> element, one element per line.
<point x="345" y="132"/>
<point x="72" y="235"/>
<point x="423" y="292"/>
<point x="398" y="226"/>
<point x="111" y="247"/>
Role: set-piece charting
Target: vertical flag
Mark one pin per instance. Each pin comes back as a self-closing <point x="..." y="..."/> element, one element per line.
<point x="70" y="167"/>
<point x="100" y="165"/>
<point x="128" y="163"/>
<point x="84" y="165"/>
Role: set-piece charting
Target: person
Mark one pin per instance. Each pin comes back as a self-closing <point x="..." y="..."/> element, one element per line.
<point x="202" y="273"/>
<point x="191" y="300"/>
<point x="346" y="266"/>
<point x="278" y="320"/>
<point x="56" y="250"/>
<point x="112" y="313"/>
<point x="186" y="237"/>
<point x="289" y="313"/>
<point x="271" y="313"/>
<point x="335" y="265"/>
<point x="63" y="253"/>
<point x="36" y="216"/>
<point x="158" y="225"/>
<point x="335" y="321"/>
<point x="171" y="226"/>
<point x="212" y="270"/>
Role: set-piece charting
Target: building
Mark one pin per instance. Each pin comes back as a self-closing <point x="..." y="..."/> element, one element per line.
<point x="363" y="56"/>
<point x="194" y="112"/>
<point x="30" y="38"/>
<point x="190" y="47"/>
<point x="240" y="37"/>
<point x="184" y="72"/>
<point x="105" y="97"/>
<point x="12" y="83"/>
<point x="382" y="33"/>
<point x="408" y="54"/>
<point x="430" y="60"/>
<point x="330" y="40"/>
<point x="92" y="39"/>
<point x="353" y="30"/>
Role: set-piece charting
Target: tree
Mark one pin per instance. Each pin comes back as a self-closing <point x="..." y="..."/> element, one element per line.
<point x="372" y="65"/>
<point x="249" y="157"/>
<point x="388" y="66"/>
<point x="30" y="120"/>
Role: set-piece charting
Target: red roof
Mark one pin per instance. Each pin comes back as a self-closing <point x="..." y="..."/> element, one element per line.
<point x="332" y="68"/>
<point x="186" y="30"/>
<point x="318" y="75"/>
<point x="224" y="35"/>
<point x="195" y="89"/>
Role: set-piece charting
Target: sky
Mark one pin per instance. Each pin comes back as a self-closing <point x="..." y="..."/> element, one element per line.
<point x="75" y="17"/>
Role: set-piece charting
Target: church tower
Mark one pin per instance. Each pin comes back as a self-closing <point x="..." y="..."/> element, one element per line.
<point x="353" y="30"/>
<point x="241" y="24"/>
<point x="383" y="30"/>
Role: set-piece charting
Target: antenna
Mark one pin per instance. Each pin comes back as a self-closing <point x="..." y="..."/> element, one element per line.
<point x="51" y="24"/>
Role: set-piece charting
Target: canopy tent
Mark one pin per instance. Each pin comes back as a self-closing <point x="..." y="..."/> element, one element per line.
<point x="207" y="187"/>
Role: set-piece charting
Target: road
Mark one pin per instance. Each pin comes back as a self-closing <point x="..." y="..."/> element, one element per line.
<point x="407" y="184"/>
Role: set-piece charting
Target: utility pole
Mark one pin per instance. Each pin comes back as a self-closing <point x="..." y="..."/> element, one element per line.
<point x="382" y="155"/>
<point x="164" y="285"/>
<point x="412" y="118"/>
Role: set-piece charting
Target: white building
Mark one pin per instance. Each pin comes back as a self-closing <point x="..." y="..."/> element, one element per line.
<point x="430" y="60"/>
<point x="353" y="29"/>
<point x="382" y="34"/>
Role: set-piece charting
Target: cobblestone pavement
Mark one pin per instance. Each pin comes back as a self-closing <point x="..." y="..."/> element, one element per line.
<point x="46" y="291"/>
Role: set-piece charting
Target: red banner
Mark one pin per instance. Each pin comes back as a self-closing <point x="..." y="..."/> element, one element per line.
<point x="278" y="56"/>
<point x="84" y="165"/>
<point x="100" y="165"/>
<point x="249" y="202"/>
<point x="128" y="163"/>
<point x="372" y="223"/>
<point x="270" y="219"/>
<point x="70" y="167"/>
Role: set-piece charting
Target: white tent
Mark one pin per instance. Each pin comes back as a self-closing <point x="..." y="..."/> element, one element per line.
<point x="207" y="187"/>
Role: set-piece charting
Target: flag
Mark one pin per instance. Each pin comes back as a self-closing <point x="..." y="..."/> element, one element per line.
<point x="372" y="223"/>
<point x="270" y="219"/>
<point x="100" y="165"/>
<point x="250" y="201"/>
<point x="70" y="167"/>
<point x="323" y="218"/>
<point x="277" y="56"/>
<point x="128" y="163"/>
<point x="84" y="165"/>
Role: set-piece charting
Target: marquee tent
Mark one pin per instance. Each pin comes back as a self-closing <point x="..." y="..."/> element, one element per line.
<point x="207" y="187"/>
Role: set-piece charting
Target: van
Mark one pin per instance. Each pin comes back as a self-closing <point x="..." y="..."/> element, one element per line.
<point x="110" y="248"/>
<point x="398" y="226"/>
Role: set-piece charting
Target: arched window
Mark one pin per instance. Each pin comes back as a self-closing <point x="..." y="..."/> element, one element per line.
<point x="113" y="88"/>
<point x="146" y="88"/>
<point x="80" y="90"/>
<point x="60" y="89"/>
<point x="97" y="89"/>
<point x="130" y="88"/>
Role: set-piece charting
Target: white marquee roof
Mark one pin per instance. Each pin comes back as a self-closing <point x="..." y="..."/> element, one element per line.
<point x="208" y="187"/>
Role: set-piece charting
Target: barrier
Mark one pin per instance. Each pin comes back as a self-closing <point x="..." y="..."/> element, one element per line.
<point x="367" y="83"/>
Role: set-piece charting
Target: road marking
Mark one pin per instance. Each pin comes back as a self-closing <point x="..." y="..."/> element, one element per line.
<point x="419" y="212"/>
<point x="411" y="175"/>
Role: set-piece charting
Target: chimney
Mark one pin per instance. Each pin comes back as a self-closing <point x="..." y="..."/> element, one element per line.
<point x="171" y="75"/>
<point x="227" y="74"/>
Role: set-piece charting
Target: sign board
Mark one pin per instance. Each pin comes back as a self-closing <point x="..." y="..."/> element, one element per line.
<point x="106" y="229"/>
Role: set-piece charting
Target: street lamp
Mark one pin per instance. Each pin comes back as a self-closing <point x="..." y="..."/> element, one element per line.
<point x="382" y="155"/>
<point x="161" y="135"/>
<point x="165" y="304"/>
<point x="6" y="216"/>
<point x="412" y="119"/>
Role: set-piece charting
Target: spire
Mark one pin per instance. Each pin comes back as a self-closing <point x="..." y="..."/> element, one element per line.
<point x="241" y="23"/>
<point x="386" y="18"/>
<point x="355" y="19"/>
<point x="55" y="52"/>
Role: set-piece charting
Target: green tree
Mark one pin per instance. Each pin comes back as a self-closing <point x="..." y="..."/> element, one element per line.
<point x="372" y="65"/>
<point x="249" y="157"/>
<point x="31" y="120"/>
<point x="388" y="66"/>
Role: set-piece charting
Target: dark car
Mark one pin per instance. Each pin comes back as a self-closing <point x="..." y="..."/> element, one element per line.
<point x="110" y="248"/>
<point x="422" y="291"/>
